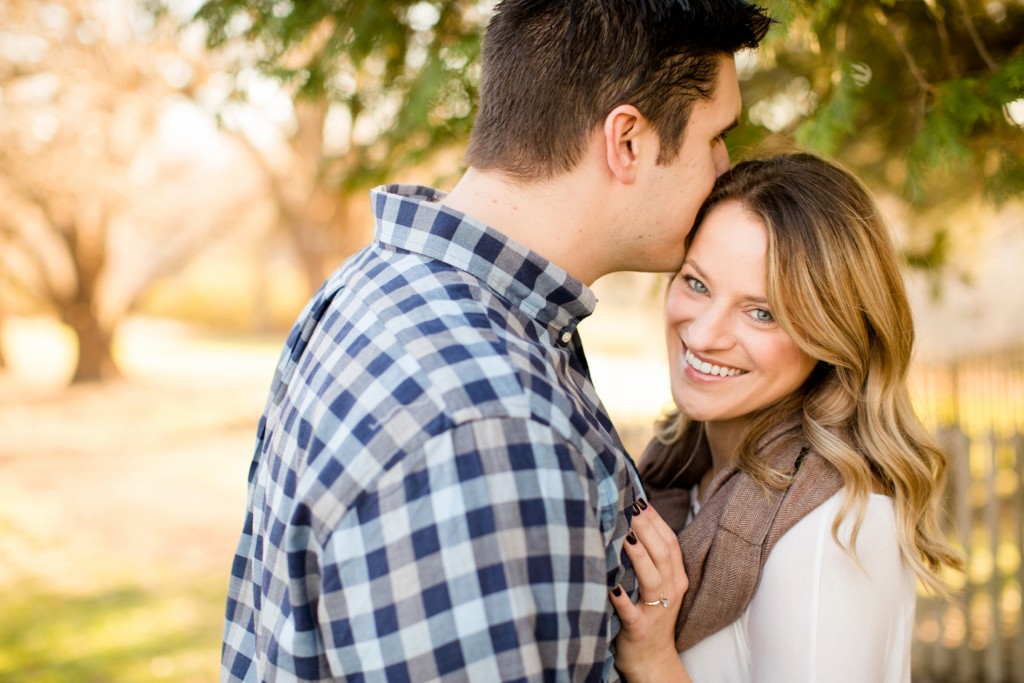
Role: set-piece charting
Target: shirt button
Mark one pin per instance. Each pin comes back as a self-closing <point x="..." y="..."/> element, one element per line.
<point x="566" y="337"/>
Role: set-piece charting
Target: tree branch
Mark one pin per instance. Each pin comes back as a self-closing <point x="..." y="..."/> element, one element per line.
<point x="16" y="239"/>
<point x="180" y="251"/>
<point x="944" y="44"/>
<point x="22" y="283"/>
<point x="972" y="31"/>
<point x="908" y="56"/>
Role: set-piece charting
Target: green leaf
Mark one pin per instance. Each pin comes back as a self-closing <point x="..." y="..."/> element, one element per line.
<point x="965" y="104"/>
<point x="835" y="118"/>
<point x="1008" y="83"/>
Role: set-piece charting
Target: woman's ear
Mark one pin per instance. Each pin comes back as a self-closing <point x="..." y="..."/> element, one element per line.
<point x="623" y="132"/>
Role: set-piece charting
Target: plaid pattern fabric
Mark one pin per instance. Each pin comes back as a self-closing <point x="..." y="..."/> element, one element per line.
<point x="437" y="492"/>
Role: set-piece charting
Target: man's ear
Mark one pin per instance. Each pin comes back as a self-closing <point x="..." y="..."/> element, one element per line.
<point x="623" y="128"/>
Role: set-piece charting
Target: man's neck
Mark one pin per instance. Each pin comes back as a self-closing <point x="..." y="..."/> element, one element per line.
<point x="552" y="217"/>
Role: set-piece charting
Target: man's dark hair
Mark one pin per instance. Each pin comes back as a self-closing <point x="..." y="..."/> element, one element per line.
<point x="553" y="69"/>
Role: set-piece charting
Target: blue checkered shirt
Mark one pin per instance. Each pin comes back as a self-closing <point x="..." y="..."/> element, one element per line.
<point x="437" y="492"/>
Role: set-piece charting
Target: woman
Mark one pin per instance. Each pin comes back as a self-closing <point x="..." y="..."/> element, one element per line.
<point x="808" y="488"/>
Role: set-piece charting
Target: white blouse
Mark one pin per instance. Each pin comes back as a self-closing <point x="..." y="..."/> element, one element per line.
<point x="818" y="617"/>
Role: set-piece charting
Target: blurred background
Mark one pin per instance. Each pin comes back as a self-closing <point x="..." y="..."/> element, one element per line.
<point x="177" y="177"/>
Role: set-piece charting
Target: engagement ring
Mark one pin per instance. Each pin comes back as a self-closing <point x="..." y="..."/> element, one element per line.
<point x="663" y="601"/>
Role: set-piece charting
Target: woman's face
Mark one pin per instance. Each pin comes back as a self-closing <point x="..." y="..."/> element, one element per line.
<point x="727" y="355"/>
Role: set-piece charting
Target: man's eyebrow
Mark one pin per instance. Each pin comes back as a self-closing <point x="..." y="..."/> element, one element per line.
<point x="734" y="124"/>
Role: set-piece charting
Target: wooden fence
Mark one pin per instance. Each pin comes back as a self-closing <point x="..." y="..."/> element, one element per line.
<point x="976" y="408"/>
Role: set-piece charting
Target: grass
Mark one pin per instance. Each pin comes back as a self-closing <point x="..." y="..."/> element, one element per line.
<point x="120" y="504"/>
<point x="122" y="632"/>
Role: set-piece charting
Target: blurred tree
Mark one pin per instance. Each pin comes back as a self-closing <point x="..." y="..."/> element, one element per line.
<point x="921" y="97"/>
<point x="91" y="214"/>
<point x="376" y="86"/>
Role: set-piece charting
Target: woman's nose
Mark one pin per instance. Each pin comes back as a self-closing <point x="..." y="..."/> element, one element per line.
<point x="709" y="331"/>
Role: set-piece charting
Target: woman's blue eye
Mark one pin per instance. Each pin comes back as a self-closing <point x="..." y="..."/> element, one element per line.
<point x="763" y="316"/>
<point x="695" y="284"/>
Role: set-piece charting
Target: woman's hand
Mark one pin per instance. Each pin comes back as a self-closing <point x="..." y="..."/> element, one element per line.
<point x="646" y="644"/>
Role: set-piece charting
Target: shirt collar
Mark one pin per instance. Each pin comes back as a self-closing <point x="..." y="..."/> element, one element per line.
<point x="409" y="217"/>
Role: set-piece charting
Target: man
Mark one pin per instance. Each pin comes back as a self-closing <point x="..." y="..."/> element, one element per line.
<point x="437" y="492"/>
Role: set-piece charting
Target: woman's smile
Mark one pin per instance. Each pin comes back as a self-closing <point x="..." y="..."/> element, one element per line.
<point x="705" y="367"/>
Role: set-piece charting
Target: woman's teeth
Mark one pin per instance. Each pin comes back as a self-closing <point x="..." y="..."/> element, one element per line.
<point x="709" y="368"/>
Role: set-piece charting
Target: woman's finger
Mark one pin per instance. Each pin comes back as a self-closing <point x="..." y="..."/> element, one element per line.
<point x="650" y="578"/>
<point x="628" y="613"/>
<point x="656" y="535"/>
<point x="662" y="526"/>
<point x="661" y="548"/>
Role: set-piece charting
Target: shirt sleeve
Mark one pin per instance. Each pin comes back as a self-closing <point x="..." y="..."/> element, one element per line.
<point x="478" y="557"/>
<point x="821" y="616"/>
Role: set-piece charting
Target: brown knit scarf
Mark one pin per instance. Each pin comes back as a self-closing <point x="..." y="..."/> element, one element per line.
<point x="727" y="544"/>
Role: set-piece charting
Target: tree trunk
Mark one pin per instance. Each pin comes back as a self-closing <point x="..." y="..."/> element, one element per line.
<point x="95" y="361"/>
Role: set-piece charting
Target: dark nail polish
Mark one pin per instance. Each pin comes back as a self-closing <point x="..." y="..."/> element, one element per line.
<point x="631" y="538"/>
<point x="635" y="508"/>
<point x="617" y="591"/>
<point x="642" y="503"/>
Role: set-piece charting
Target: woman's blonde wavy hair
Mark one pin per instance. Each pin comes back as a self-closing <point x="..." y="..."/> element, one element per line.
<point x="835" y="286"/>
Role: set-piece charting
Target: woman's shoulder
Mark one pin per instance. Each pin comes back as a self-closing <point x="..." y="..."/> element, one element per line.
<point x="873" y="554"/>
<point x="812" y="573"/>
<point x="877" y="525"/>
